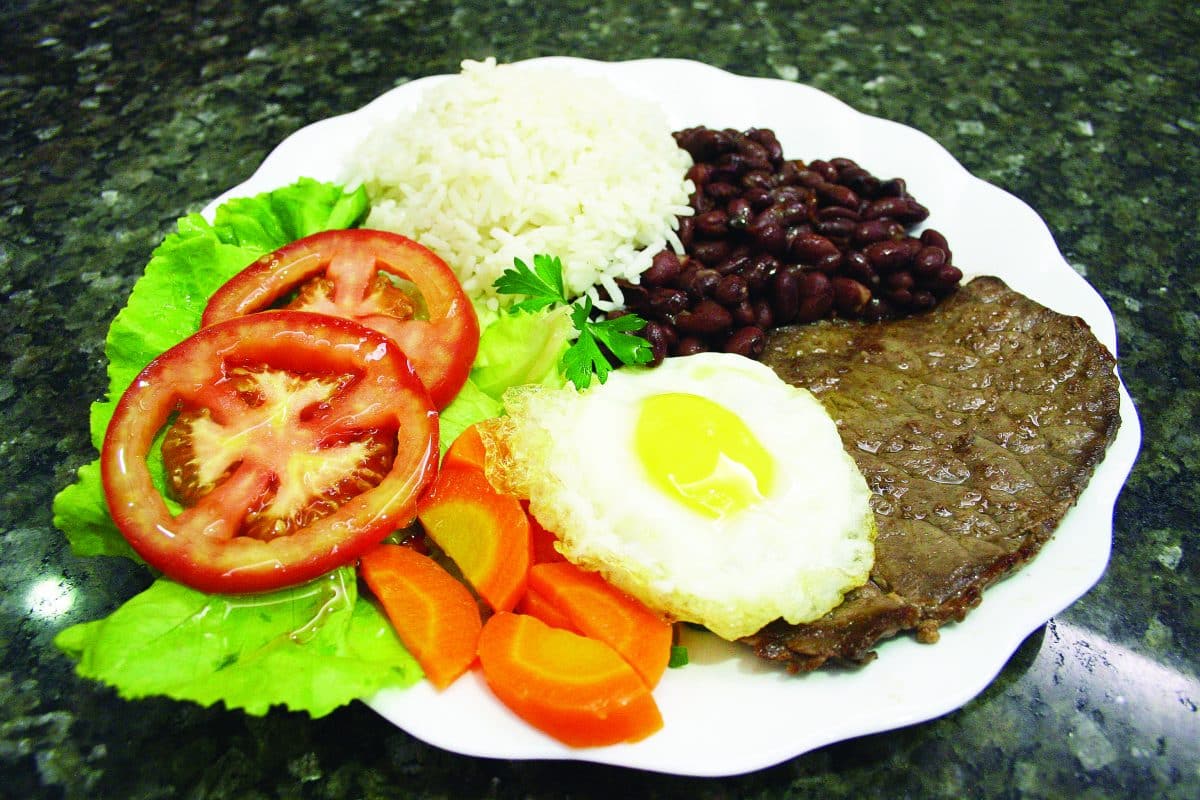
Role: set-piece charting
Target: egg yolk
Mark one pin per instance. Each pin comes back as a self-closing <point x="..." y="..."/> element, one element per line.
<point x="702" y="454"/>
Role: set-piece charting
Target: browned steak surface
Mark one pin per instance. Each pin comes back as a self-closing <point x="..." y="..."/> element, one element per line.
<point x="976" y="425"/>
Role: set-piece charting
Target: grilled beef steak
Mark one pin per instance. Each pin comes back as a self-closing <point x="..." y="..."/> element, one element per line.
<point x="977" y="426"/>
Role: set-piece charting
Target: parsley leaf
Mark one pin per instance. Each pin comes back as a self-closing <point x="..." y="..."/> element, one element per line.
<point x="544" y="287"/>
<point x="616" y="334"/>
<point x="584" y="356"/>
<point x="679" y="657"/>
<point x="543" y="284"/>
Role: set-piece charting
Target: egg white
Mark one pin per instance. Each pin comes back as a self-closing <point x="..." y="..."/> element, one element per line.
<point x="792" y="556"/>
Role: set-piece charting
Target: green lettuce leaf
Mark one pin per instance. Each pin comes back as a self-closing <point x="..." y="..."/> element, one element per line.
<point x="469" y="406"/>
<point x="522" y="347"/>
<point x="165" y="307"/>
<point x="81" y="512"/>
<point x="309" y="648"/>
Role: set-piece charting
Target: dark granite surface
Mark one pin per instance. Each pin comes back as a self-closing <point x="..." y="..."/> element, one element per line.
<point x="117" y="118"/>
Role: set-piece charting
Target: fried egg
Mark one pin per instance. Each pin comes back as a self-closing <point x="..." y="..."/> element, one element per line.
<point x="706" y="487"/>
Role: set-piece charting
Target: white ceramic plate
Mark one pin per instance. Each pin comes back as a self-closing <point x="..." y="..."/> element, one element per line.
<point x="727" y="712"/>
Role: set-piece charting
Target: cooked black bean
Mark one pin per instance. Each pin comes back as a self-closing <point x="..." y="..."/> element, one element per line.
<point x="790" y="211"/>
<point x="757" y="156"/>
<point x="860" y="181"/>
<point x="856" y="266"/>
<point x="764" y="317"/>
<point x="885" y="208"/>
<point x="923" y="300"/>
<point x="664" y="268"/>
<point x="660" y="341"/>
<point x="836" y="228"/>
<point x="748" y="341"/>
<point x="895" y="187"/>
<point x="823" y="168"/>
<point x="948" y="277"/>
<point x="849" y="296"/>
<point x="666" y="302"/>
<point x="808" y="247"/>
<point x="837" y="212"/>
<point x="766" y="137"/>
<point x="784" y="296"/>
<point x="732" y="290"/>
<point x="689" y="346"/>
<point x="699" y="282"/>
<point x="812" y="283"/>
<point x="704" y="143"/>
<point x="743" y="313"/>
<point x="915" y="213"/>
<point x="705" y="318"/>
<point x="837" y="195"/>
<point x="635" y="295"/>
<point x="900" y="280"/>
<point x="818" y="304"/>
<point x="721" y="190"/>
<point x="876" y="309"/>
<point x="739" y="212"/>
<point x="737" y="261"/>
<point x="934" y="238"/>
<point x="699" y="173"/>
<point x="830" y="262"/>
<point x="710" y="251"/>
<point x="712" y="224"/>
<point x="687" y="227"/>
<point x="759" y="271"/>
<point x="929" y="261"/>
<point x="809" y="177"/>
<point x="758" y="198"/>
<point x="877" y="230"/>
<point x="767" y="234"/>
<point x="888" y="255"/>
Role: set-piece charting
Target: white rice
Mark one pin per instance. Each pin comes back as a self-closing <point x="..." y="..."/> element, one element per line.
<point x="504" y="162"/>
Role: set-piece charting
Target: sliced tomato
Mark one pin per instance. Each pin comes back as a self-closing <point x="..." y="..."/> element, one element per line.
<point x="346" y="273"/>
<point x="298" y="441"/>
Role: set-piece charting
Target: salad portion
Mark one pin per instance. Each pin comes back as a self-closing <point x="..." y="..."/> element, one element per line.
<point x="310" y="647"/>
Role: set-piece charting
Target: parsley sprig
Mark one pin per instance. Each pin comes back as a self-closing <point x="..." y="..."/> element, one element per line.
<point x="543" y="287"/>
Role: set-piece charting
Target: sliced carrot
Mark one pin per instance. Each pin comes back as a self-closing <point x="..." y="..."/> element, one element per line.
<point x="543" y="540"/>
<point x="597" y="609"/>
<point x="433" y="613"/>
<point x="484" y="532"/>
<point x="535" y="605"/>
<point x="576" y="689"/>
<point x="467" y="448"/>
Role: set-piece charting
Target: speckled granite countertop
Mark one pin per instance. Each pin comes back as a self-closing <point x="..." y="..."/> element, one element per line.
<point x="114" y="121"/>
